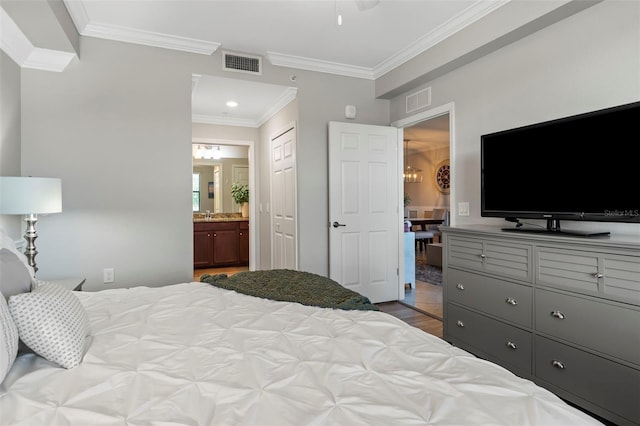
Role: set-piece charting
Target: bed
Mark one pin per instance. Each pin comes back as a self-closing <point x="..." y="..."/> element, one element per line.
<point x="199" y="354"/>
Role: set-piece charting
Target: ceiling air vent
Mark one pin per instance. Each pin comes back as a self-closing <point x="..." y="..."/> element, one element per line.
<point x="242" y="63"/>
<point x="419" y="99"/>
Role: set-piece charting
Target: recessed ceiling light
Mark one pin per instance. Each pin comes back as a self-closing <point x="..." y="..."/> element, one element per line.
<point x="232" y="104"/>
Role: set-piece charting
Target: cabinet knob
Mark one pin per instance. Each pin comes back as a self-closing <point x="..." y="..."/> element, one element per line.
<point x="558" y="314"/>
<point x="241" y="234"/>
<point x="598" y="275"/>
<point x="482" y="256"/>
<point x="558" y="364"/>
<point x="208" y="235"/>
<point x="460" y="324"/>
<point x="511" y="301"/>
<point x="215" y="235"/>
<point x="460" y="286"/>
<point x="511" y="345"/>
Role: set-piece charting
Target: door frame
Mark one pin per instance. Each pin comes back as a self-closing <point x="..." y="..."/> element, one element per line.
<point x="254" y="201"/>
<point x="427" y="115"/>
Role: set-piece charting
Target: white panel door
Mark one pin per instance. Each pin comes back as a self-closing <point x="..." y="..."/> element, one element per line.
<point x="364" y="209"/>
<point x="284" y="252"/>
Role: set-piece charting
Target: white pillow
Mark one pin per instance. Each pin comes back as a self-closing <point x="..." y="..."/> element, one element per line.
<point x="52" y="322"/>
<point x="8" y="339"/>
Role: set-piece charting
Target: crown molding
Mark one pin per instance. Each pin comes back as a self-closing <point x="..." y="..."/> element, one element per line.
<point x="467" y="17"/>
<point x="18" y="47"/>
<point x="224" y="121"/>
<point x="287" y="96"/>
<point x="470" y="15"/>
<point x="309" y="64"/>
<point x="149" y="38"/>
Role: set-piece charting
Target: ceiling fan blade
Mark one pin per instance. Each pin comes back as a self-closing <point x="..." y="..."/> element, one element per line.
<point x="366" y="4"/>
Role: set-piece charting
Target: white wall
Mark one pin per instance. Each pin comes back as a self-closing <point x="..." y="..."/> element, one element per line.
<point x="10" y="133"/>
<point x="122" y="104"/>
<point x="589" y="61"/>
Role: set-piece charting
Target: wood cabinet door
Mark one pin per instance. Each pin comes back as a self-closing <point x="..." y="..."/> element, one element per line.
<point x="225" y="246"/>
<point x="202" y="249"/>
<point x="243" y="242"/>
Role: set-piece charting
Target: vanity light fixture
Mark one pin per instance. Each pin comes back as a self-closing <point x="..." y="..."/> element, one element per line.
<point x="207" y="152"/>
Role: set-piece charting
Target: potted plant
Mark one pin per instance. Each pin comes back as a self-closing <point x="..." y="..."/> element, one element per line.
<point x="240" y="194"/>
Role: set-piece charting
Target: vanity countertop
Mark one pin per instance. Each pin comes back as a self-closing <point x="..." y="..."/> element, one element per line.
<point x="220" y="217"/>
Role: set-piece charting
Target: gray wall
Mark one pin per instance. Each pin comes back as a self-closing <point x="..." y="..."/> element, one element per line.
<point x="10" y="133"/>
<point x="92" y="124"/>
<point x="589" y="61"/>
<point x="122" y="103"/>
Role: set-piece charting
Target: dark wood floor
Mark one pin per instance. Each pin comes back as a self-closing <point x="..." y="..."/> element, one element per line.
<point x="413" y="317"/>
<point x="410" y="316"/>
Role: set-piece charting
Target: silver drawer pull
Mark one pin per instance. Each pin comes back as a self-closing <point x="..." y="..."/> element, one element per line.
<point x="482" y="256"/>
<point x="558" y="364"/>
<point x="597" y="275"/>
<point x="511" y="345"/>
<point x="459" y="286"/>
<point x="511" y="301"/>
<point x="460" y="324"/>
<point x="557" y="314"/>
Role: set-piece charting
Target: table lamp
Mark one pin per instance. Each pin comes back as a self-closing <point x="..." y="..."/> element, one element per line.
<point x="30" y="196"/>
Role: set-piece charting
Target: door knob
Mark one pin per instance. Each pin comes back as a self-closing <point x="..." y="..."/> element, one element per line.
<point x="336" y="224"/>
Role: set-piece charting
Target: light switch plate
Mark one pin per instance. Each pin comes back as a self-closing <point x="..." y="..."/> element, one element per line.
<point x="463" y="208"/>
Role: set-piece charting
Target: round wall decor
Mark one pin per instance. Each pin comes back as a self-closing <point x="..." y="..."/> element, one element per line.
<point x="443" y="177"/>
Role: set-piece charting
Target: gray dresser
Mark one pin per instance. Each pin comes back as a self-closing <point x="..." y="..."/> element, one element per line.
<point x="562" y="311"/>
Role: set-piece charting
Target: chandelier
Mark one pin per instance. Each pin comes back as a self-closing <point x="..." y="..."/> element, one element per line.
<point x="410" y="174"/>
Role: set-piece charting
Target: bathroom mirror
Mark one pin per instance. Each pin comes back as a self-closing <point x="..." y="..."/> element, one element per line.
<point x="212" y="179"/>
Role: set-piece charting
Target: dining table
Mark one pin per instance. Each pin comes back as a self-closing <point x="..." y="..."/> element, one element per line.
<point x="424" y="221"/>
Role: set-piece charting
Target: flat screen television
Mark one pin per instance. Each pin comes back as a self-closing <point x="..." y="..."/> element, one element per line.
<point x="580" y="168"/>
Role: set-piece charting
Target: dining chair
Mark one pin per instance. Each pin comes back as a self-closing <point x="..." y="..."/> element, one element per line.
<point x="435" y="229"/>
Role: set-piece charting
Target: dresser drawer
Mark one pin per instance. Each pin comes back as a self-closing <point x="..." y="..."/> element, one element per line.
<point x="497" y="341"/>
<point x="589" y="272"/>
<point x="465" y="252"/>
<point x="497" y="257"/>
<point x="609" y="385"/>
<point x="504" y="299"/>
<point x="607" y="327"/>
<point x="568" y="269"/>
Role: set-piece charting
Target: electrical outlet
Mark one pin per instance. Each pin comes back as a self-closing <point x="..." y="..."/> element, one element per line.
<point x="108" y="275"/>
<point x="463" y="209"/>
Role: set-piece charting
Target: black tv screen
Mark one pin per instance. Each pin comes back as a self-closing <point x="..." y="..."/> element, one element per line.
<point x="582" y="167"/>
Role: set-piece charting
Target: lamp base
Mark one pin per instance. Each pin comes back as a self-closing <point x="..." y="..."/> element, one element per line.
<point x="30" y="235"/>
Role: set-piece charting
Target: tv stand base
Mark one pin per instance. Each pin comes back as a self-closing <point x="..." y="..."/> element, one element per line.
<point x="572" y="233"/>
<point x="553" y="227"/>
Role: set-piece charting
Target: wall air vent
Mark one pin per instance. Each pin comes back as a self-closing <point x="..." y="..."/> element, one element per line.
<point x="242" y="63"/>
<point x="419" y="99"/>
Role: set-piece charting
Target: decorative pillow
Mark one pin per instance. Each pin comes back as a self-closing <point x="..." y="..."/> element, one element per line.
<point x="52" y="322"/>
<point x="15" y="278"/>
<point x="8" y="339"/>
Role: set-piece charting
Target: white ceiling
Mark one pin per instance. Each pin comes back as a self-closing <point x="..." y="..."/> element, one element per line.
<point x="375" y="37"/>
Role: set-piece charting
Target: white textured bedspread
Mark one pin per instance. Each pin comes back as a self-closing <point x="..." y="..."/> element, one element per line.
<point x="193" y="354"/>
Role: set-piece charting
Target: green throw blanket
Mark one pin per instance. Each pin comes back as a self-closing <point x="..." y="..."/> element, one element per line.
<point x="292" y="286"/>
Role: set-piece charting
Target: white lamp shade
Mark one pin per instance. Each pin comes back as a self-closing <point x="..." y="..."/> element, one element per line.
<point x="30" y="195"/>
